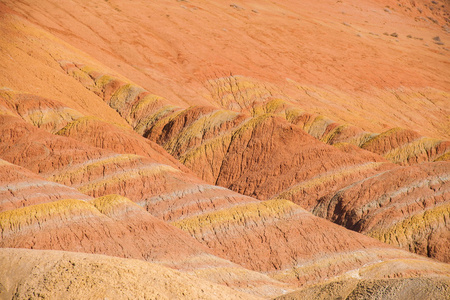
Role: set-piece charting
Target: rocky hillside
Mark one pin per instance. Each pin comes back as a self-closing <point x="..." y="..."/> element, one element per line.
<point x="242" y="150"/>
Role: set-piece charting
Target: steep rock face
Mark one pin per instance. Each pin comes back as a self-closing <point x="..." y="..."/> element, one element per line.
<point x="19" y="188"/>
<point x="68" y="275"/>
<point x="406" y="206"/>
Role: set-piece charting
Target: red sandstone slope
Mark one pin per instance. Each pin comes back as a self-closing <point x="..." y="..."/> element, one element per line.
<point x="111" y="225"/>
<point x="239" y="154"/>
<point x="20" y="188"/>
<point x="97" y="172"/>
<point x="407" y="207"/>
<point x="280" y="238"/>
<point x="201" y="136"/>
<point x="267" y="99"/>
<point x="193" y="206"/>
<point x="331" y="57"/>
<point x="53" y="116"/>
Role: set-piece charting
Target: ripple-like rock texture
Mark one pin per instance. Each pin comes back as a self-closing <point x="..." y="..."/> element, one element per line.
<point x="213" y="150"/>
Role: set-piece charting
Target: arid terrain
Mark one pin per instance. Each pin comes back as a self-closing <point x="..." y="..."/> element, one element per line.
<point x="188" y="149"/>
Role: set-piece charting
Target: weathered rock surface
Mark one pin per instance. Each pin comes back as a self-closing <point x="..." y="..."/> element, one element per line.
<point x="74" y="225"/>
<point x="192" y="201"/>
<point x="19" y="188"/>
<point x="242" y="103"/>
<point x="407" y="147"/>
<point x="38" y="111"/>
<point x="115" y="226"/>
<point x="163" y="190"/>
<point x="57" y="274"/>
<point x="404" y="288"/>
<point x="102" y="226"/>
<point x="406" y="206"/>
<point x="292" y="245"/>
<point x="239" y="153"/>
<point x="181" y="131"/>
<point x="267" y="155"/>
<point x="97" y="133"/>
<point x="332" y="58"/>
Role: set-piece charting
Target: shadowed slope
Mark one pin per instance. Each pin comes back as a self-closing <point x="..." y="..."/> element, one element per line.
<point x="405" y="206"/>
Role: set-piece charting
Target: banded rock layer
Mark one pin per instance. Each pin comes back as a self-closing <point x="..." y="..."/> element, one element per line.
<point x="140" y="157"/>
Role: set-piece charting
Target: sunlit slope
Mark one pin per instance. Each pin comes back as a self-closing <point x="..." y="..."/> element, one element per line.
<point x="370" y="64"/>
<point x="264" y="152"/>
<point x="20" y="187"/>
<point x="352" y="288"/>
<point x="220" y="139"/>
<point x="185" y="200"/>
<point x="30" y="65"/>
<point x="78" y="275"/>
<point x="111" y="225"/>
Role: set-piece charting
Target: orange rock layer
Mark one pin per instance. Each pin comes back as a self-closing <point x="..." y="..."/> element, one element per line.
<point x="211" y="160"/>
